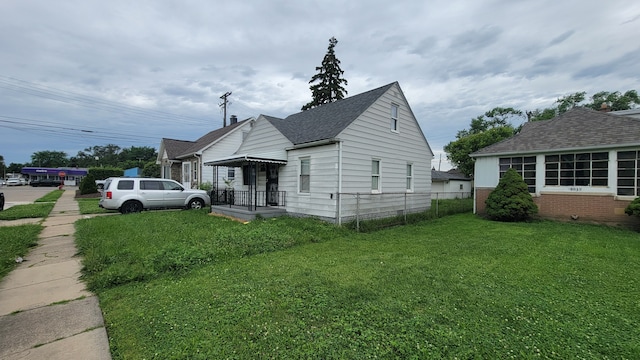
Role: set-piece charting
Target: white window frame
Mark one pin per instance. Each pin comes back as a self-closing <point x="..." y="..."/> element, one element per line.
<point x="409" y="174"/>
<point x="301" y="176"/>
<point x="376" y="176"/>
<point x="395" y="109"/>
<point x="231" y="173"/>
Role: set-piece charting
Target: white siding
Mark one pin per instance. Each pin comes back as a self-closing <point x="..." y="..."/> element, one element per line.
<point x="225" y="146"/>
<point x="370" y="137"/>
<point x="263" y="138"/>
<point x="321" y="199"/>
<point x="450" y="189"/>
<point x="486" y="174"/>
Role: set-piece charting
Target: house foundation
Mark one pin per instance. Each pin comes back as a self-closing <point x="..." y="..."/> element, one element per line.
<point x="596" y="208"/>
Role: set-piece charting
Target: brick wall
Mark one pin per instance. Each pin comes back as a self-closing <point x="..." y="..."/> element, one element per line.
<point x="604" y="209"/>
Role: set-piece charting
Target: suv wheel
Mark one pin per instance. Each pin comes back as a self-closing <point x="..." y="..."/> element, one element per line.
<point x="196" y="204"/>
<point x="131" y="206"/>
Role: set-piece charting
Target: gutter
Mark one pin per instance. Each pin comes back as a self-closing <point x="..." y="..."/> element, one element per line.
<point x="553" y="151"/>
<point x="314" y="143"/>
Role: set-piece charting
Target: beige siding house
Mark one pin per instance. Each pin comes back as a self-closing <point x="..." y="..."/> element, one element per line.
<point x="364" y="156"/>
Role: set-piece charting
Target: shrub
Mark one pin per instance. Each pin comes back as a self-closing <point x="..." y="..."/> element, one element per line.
<point x="633" y="208"/>
<point x="510" y="200"/>
<point x="206" y="186"/>
<point x="88" y="185"/>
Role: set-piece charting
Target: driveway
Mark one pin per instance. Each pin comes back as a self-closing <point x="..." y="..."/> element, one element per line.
<point x="17" y="195"/>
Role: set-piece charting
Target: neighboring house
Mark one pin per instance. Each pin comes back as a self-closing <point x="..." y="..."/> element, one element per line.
<point x="183" y="161"/>
<point x="364" y="156"/>
<point x="634" y="113"/>
<point x="581" y="165"/>
<point x="451" y="184"/>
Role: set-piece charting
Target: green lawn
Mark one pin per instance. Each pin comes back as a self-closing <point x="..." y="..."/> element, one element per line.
<point x="90" y="206"/>
<point x="188" y="285"/>
<point x="15" y="241"/>
<point x="53" y="196"/>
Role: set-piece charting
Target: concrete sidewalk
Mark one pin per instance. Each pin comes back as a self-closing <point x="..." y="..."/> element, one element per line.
<point x="46" y="312"/>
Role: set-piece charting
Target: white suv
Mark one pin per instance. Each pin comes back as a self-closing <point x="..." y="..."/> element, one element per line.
<point x="129" y="195"/>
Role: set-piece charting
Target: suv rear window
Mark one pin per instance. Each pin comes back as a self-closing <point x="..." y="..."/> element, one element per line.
<point x="125" y="185"/>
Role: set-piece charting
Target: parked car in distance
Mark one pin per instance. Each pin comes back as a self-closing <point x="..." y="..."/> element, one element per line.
<point x="129" y="195"/>
<point x="45" y="182"/>
<point x="13" y="182"/>
<point x="100" y="184"/>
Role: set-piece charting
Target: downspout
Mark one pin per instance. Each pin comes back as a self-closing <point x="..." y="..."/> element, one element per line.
<point x="339" y="197"/>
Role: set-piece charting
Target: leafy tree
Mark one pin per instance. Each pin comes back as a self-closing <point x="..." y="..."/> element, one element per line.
<point x="14" y="168"/>
<point x="458" y="151"/>
<point x="151" y="169"/>
<point x="614" y="100"/>
<point x="510" y="200"/>
<point x="49" y="159"/>
<point x="483" y="131"/>
<point x="329" y="82"/>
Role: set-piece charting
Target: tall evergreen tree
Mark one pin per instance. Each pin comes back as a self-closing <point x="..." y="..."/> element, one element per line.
<point x="329" y="82"/>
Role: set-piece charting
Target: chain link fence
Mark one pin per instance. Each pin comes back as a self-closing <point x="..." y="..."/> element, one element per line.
<point x="366" y="211"/>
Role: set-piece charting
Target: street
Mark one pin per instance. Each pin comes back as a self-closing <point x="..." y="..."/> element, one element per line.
<point x="17" y="195"/>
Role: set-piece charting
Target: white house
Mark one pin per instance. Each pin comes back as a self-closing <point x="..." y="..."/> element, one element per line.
<point x="581" y="165"/>
<point x="450" y="185"/>
<point x="364" y="156"/>
<point x="183" y="160"/>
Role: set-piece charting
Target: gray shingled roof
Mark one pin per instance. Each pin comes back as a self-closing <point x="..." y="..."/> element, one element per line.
<point x="175" y="147"/>
<point x="444" y="176"/>
<point x="578" y="128"/>
<point x="326" y="121"/>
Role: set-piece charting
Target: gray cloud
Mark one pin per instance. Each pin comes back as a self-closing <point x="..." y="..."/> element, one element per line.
<point x="561" y="38"/>
<point x="453" y="62"/>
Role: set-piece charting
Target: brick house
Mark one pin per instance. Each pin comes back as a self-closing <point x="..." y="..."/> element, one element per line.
<point x="582" y="165"/>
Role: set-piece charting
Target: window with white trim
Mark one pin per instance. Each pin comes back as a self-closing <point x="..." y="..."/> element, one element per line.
<point x="231" y="173"/>
<point x="375" y="175"/>
<point x="394" y="117"/>
<point x="628" y="173"/>
<point x="580" y="169"/>
<point x="524" y="165"/>
<point x="409" y="177"/>
<point x="305" y="175"/>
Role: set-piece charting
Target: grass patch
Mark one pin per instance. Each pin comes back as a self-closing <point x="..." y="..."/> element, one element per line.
<point x="143" y="246"/>
<point x="90" y="206"/>
<point x="455" y="287"/>
<point x="39" y="210"/>
<point x="15" y="241"/>
<point x="53" y="196"/>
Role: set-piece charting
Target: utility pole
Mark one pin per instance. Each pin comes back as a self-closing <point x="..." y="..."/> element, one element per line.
<point x="224" y="106"/>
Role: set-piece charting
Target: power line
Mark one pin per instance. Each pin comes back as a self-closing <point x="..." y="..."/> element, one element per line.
<point x="51" y="93"/>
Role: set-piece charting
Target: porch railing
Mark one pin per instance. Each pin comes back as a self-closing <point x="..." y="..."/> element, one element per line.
<point x="249" y="198"/>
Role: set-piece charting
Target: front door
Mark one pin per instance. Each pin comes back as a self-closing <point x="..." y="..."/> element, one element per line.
<point x="186" y="175"/>
<point x="272" y="184"/>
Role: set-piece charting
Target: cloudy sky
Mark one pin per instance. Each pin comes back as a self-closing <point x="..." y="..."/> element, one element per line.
<point x="74" y="74"/>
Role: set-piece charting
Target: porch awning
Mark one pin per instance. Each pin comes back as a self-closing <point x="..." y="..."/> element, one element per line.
<point x="241" y="159"/>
